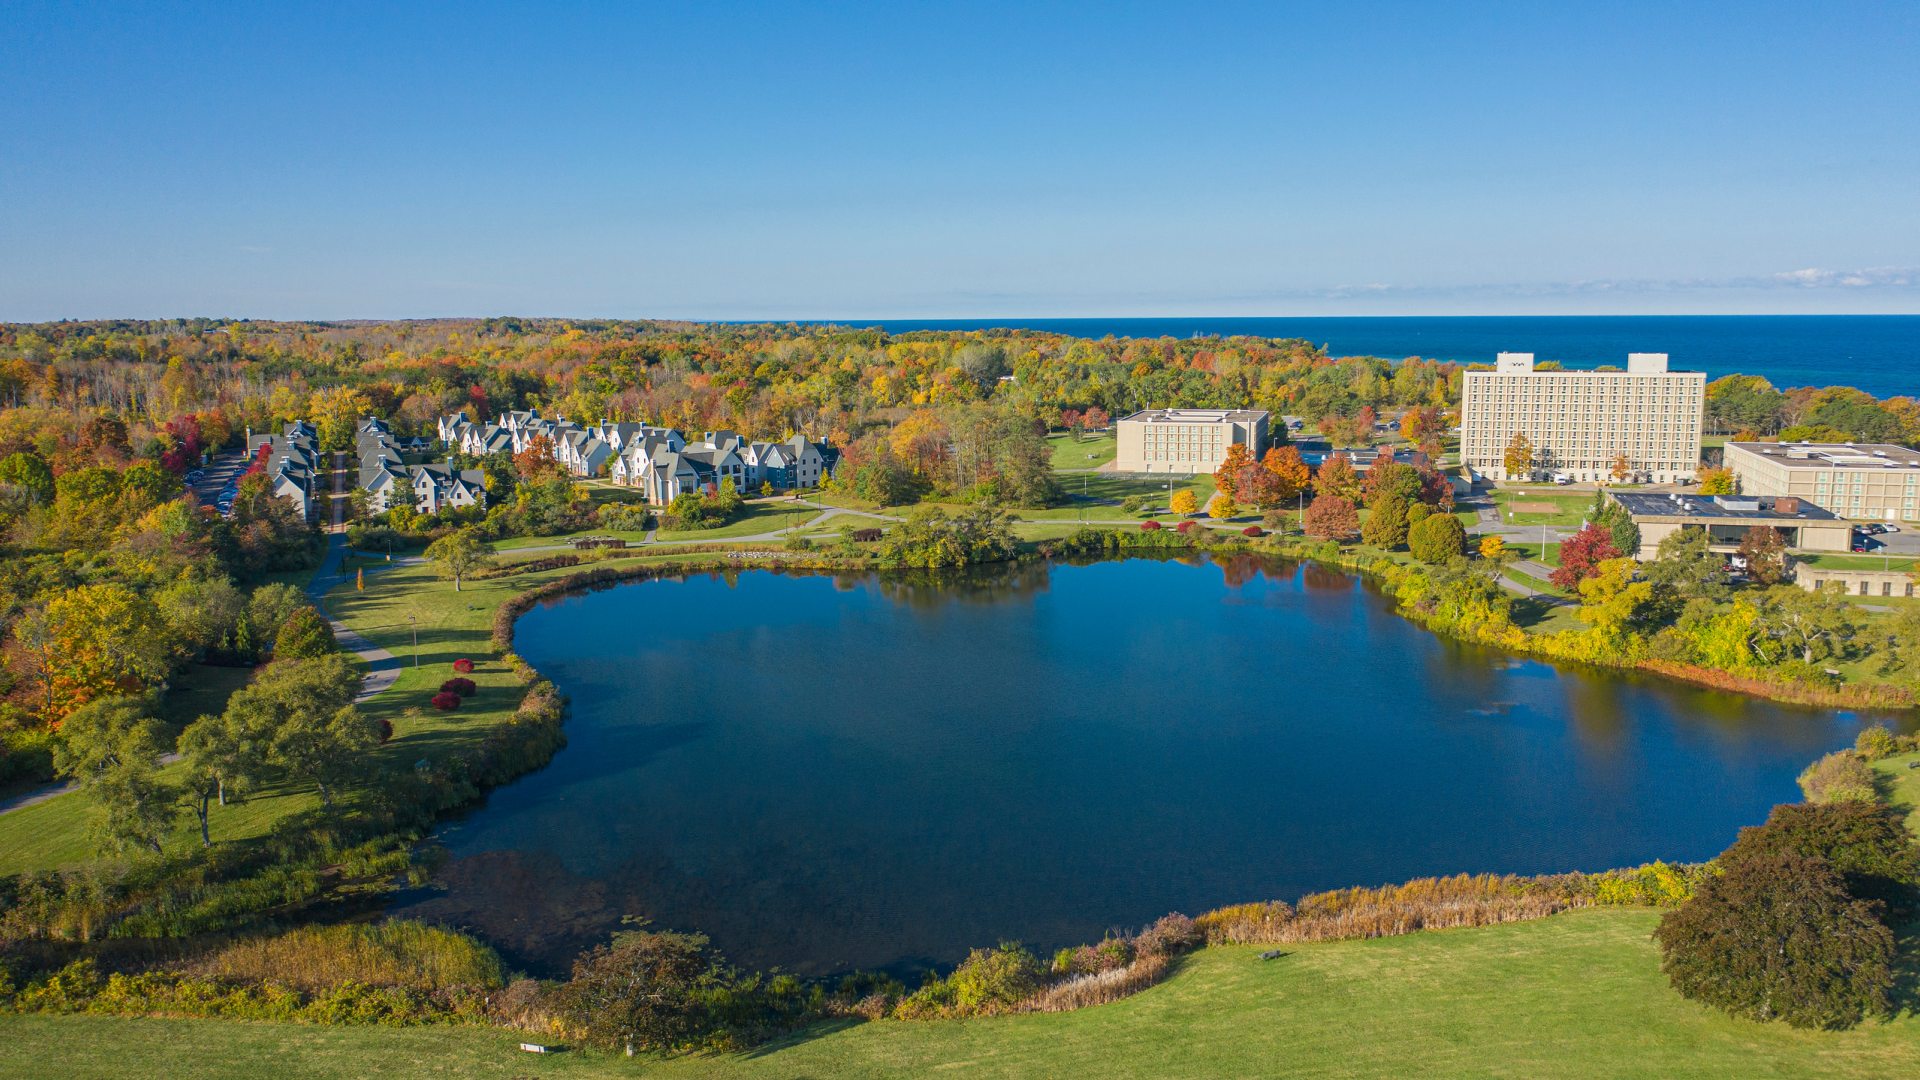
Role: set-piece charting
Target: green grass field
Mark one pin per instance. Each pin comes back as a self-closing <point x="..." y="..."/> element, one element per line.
<point x="1859" y="562"/>
<point x="1089" y="452"/>
<point x="1568" y="509"/>
<point x="1577" y="995"/>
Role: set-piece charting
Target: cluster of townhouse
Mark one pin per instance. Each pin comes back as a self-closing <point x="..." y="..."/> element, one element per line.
<point x="293" y="465"/>
<point x="429" y="488"/>
<point x="658" y="460"/>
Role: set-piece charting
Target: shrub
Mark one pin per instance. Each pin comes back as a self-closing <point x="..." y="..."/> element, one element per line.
<point x="1842" y="776"/>
<point x="446" y="701"/>
<point x="1170" y="934"/>
<point x="1778" y="936"/>
<point x="395" y="953"/>
<point x="1252" y="530"/>
<point x="1184" y="528"/>
<point x="463" y="665"/>
<point x="461" y="686"/>
<point x="988" y="981"/>
<point x="1150" y="526"/>
<point x="386" y="730"/>
<point x="1877" y="742"/>
<point x="640" y="992"/>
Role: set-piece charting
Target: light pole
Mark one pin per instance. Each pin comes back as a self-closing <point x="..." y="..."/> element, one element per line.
<point x="414" y="626"/>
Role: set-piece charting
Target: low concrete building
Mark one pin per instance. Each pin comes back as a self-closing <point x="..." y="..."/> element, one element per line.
<point x="1855" y="582"/>
<point x="1186" y="441"/>
<point x="1861" y="481"/>
<point x="1728" y="518"/>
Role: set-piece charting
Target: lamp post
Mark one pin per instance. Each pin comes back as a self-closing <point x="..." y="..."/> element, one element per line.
<point x="413" y="626"/>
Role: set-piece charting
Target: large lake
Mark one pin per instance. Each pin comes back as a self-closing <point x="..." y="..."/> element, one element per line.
<point x="828" y="773"/>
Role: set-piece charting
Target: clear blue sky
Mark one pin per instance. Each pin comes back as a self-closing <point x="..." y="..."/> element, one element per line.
<point x="793" y="161"/>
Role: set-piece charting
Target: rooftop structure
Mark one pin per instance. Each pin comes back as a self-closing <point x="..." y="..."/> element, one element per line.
<point x="1186" y="440"/>
<point x="1727" y="518"/>
<point x="1867" y="481"/>
<point x="1642" y="423"/>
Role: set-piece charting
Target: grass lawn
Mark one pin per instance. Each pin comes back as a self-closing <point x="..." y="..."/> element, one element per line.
<point x="1567" y="509"/>
<point x="1577" y="995"/>
<point x="761" y="517"/>
<point x="1903" y="785"/>
<point x="1089" y="452"/>
<point x="201" y="690"/>
<point x="1858" y="562"/>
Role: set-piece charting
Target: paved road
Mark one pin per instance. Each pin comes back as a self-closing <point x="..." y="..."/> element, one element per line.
<point x="382" y="667"/>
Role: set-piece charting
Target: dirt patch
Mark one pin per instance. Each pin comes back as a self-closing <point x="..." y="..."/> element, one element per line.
<point x="1533" y="508"/>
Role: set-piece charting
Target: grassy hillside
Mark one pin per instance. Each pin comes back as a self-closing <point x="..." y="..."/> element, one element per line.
<point x="1576" y="995"/>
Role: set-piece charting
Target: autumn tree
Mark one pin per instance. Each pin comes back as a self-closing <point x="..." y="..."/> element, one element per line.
<point x="1390" y="479"/>
<point x="111" y="747"/>
<point x="1221" y="506"/>
<point x="104" y="639"/>
<point x="336" y="413"/>
<point x="1339" y="478"/>
<point x="1227" y="476"/>
<point x="536" y="463"/>
<point x="1419" y="425"/>
<point x="1718" y="481"/>
<point x="1291" y="471"/>
<point x="1183" y="502"/>
<point x="1331" y="517"/>
<point x="1622" y="468"/>
<point x="458" y="554"/>
<point x="1581" y="556"/>
<point x="1519" y="457"/>
<point x="1765" y="550"/>
<point x="1493" y="548"/>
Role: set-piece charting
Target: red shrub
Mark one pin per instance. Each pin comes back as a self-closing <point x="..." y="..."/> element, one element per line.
<point x="1150" y="526"/>
<point x="1251" y="530"/>
<point x="1184" y="528"/>
<point x="386" y="730"/>
<point x="463" y="665"/>
<point x="446" y="702"/>
<point x="463" y="687"/>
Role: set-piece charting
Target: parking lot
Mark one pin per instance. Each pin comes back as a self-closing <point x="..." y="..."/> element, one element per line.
<point x="1906" y="541"/>
<point x="214" y="484"/>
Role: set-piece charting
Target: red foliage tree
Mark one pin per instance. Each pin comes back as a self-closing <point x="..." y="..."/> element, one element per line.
<point x="386" y="730"/>
<point x="463" y="687"/>
<point x="463" y="665"/>
<point x="1150" y="526"/>
<point x="1331" y="517"/>
<point x="1184" y="528"/>
<point x="1582" y="554"/>
<point x="446" y="702"/>
<point x="1252" y="530"/>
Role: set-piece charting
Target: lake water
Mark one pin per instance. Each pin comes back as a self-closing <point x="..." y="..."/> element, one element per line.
<point x="829" y="773"/>
<point x="1877" y="353"/>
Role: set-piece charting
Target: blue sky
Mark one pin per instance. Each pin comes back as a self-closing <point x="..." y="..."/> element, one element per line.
<point x="803" y="161"/>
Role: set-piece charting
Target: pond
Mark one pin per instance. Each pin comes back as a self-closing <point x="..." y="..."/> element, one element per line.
<point x="825" y="773"/>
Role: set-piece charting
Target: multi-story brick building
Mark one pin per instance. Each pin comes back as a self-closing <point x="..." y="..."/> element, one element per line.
<point x="1581" y="422"/>
<point x="1186" y="440"/>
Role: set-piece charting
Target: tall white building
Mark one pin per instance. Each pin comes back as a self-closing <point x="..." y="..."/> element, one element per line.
<point x="1581" y="422"/>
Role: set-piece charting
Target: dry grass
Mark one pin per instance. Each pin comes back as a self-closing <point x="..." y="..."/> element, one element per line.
<point x="1424" y="904"/>
<point x="1100" y="987"/>
<point x="396" y="953"/>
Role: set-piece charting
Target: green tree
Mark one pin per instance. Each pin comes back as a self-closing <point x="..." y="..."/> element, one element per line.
<point x="30" y="473"/>
<point x="303" y="636"/>
<point x="458" y="554"/>
<point x="1437" y="538"/>
<point x="223" y="759"/>
<point x="1386" y="525"/>
<point x="1688" y="568"/>
<point x="202" y="613"/>
<point x="302" y="711"/>
<point x="1614" y="518"/>
<point x="1816" y="625"/>
<point x="111" y="747"/>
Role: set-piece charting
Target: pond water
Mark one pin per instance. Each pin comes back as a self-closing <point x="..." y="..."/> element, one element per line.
<point x="880" y="772"/>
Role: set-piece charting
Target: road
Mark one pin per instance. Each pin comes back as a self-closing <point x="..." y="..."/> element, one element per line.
<point x="382" y="667"/>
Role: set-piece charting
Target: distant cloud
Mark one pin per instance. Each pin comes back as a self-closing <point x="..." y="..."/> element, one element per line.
<point x="1877" y="277"/>
<point x="1872" y="277"/>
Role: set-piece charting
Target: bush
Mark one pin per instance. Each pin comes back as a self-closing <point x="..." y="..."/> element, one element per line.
<point x="1252" y="530"/>
<point x="463" y="687"/>
<point x="1842" y="776"/>
<point x="1169" y="935"/>
<point x="1877" y="742"/>
<point x="463" y="665"/>
<point x="1778" y="936"/>
<point x="640" y="992"/>
<point x="988" y="981"/>
<point x="386" y="730"/>
<point x="395" y="953"/>
<point x="446" y="701"/>
<point x="1184" y="528"/>
<point x="1150" y="526"/>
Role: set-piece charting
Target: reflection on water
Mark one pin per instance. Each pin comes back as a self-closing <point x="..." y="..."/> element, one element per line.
<point x="881" y="771"/>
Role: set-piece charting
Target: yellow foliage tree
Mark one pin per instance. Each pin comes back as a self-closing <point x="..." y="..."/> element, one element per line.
<point x="1718" y="482"/>
<point x="1221" y="507"/>
<point x="1492" y="547"/>
<point x="1183" y="502"/>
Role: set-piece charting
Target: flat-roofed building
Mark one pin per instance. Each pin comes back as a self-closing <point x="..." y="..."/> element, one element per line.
<point x="1728" y="518"/>
<point x="1581" y="422"/>
<point x="1861" y="481"/>
<point x="1186" y="440"/>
